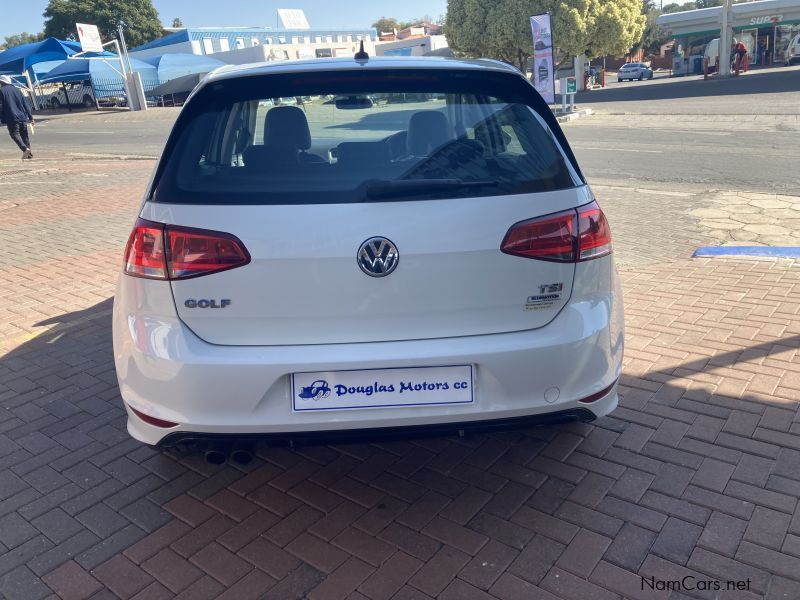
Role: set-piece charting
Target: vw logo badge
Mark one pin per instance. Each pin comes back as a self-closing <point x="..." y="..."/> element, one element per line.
<point x="378" y="257"/>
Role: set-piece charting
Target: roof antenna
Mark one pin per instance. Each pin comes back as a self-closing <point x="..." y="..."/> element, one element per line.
<point x="361" y="54"/>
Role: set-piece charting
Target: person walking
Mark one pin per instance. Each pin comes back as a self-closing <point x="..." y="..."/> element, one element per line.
<point x="14" y="112"/>
<point x="741" y="52"/>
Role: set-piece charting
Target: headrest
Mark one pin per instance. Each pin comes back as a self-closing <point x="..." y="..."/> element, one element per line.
<point x="427" y="130"/>
<point x="287" y="126"/>
<point x="490" y="134"/>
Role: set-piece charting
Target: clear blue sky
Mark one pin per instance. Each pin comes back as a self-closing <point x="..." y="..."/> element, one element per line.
<point x="334" y="14"/>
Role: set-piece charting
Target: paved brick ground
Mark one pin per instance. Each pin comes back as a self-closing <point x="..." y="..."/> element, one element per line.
<point x="697" y="473"/>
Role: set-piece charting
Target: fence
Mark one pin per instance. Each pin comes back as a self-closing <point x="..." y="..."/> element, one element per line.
<point x="112" y="89"/>
<point x="89" y="93"/>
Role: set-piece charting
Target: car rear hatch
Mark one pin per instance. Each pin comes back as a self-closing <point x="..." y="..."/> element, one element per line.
<point x="432" y="216"/>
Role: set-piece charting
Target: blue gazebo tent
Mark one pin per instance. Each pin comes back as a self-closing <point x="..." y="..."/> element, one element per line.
<point x="100" y="70"/>
<point x="41" y="69"/>
<point x="174" y="65"/>
<point x="23" y="57"/>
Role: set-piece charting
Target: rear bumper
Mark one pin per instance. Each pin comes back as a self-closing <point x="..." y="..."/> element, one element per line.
<point x="383" y="433"/>
<point x="167" y="372"/>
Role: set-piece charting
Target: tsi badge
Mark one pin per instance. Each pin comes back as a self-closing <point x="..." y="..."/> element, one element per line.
<point x="549" y="294"/>
<point x="211" y="303"/>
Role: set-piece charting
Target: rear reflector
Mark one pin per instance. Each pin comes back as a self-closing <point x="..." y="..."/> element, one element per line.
<point x="152" y="420"/>
<point x="158" y="251"/>
<point x="569" y="236"/>
<point x="601" y="394"/>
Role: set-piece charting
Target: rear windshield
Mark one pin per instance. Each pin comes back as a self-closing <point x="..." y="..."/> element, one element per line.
<point x="362" y="136"/>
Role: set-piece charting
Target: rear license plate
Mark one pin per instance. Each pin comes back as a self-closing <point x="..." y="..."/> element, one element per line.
<point x="382" y="388"/>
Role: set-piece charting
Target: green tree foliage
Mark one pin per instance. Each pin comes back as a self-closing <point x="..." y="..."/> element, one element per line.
<point x="389" y="23"/>
<point x="416" y="21"/>
<point x="386" y="24"/>
<point x="619" y="25"/>
<point x="674" y="7"/>
<point x="176" y="22"/>
<point x="653" y="36"/>
<point x="501" y="29"/>
<point x="21" y="38"/>
<point x="141" y="19"/>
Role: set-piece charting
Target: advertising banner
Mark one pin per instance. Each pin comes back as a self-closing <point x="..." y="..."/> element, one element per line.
<point x="293" y="18"/>
<point x="543" y="75"/>
<point x="89" y="37"/>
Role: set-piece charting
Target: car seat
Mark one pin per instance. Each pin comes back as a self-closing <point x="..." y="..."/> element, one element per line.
<point x="427" y="131"/>
<point x="287" y="139"/>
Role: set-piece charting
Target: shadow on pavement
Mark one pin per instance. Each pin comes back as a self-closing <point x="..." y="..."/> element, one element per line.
<point x="61" y="419"/>
<point x="69" y="319"/>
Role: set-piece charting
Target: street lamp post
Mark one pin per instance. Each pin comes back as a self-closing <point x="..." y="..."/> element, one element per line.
<point x="120" y="27"/>
<point x="725" y="41"/>
<point x="132" y="80"/>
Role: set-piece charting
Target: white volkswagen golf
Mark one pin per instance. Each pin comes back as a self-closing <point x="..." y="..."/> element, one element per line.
<point x="337" y="246"/>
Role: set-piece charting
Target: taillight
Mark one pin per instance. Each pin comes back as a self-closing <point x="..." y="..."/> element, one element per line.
<point x="594" y="234"/>
<point x="194" y="252"/>
<point x="144" y="254"/>
<point x="158" y="251"/>
<point x="569" y="236"/>
<point x="548" y="238"/>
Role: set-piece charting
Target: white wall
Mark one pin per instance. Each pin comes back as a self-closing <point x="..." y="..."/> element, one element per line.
<point x="294" y="51"/>
<point x="243" y="56"/>
<point x="185" y="47"/>
<point x="431" y="42"/>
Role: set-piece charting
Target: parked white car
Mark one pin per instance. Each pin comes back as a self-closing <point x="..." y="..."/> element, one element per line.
<point x="633" y="71"/>
<point x="792" y="54"/>
<point x="78" y="93"/>
<point x="446" y="268"/>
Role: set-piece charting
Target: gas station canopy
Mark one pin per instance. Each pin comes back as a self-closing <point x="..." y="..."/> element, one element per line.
<point x="747" y="15"/>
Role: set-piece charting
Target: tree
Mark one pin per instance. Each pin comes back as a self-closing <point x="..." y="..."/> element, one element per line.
<point x="141" y="19"/>
<point x="22" y="38"/>
<point x="502" y="30"/>
<point x="416" y="21"/>
<point x="674" y="7"/>
<point x="654" y="36"/>
<point x="619" y="25"/>
<point x="176" y="22"/>
<point x="386" y="24"/>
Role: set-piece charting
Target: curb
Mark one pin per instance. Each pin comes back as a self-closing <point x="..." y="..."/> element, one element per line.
<point x="578" y="114"/>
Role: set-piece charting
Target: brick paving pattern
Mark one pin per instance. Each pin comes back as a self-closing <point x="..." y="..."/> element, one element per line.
<point x="697" y="473"/>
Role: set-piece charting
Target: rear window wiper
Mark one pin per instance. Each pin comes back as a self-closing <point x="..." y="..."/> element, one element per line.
<point x="410" y="187"/>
